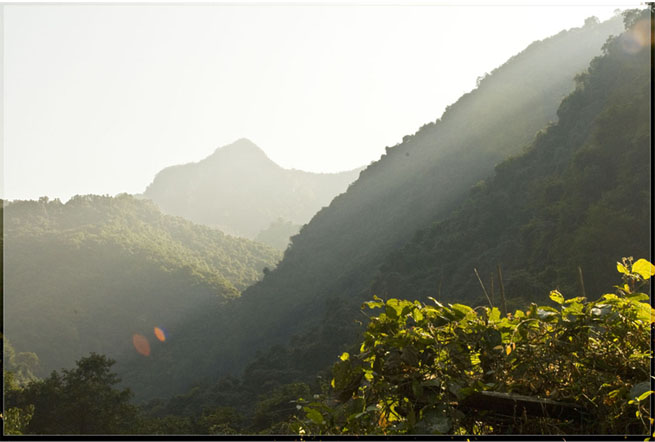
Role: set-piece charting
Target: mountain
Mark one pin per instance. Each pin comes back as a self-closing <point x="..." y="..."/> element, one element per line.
<point x="239" y="190"/>
<point x="578" y="198"/>
<point x="577" y="195"/>
<point x="332" y="261"/>
<point x="88" y="275"/>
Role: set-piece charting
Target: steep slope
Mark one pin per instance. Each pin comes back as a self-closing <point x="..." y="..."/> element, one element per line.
<point x="335" y="257"/>
<point x="579" y="196"/>
<point x="239" y="190"/>
<point x="89" y="274"/>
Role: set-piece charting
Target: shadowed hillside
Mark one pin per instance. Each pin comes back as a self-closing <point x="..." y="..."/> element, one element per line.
<point x="335" y="257"/>
<point x="578" y="197"/>
<point x="89" y="274"/>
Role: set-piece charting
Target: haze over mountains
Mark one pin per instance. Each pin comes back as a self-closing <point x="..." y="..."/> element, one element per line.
<point x="337" y="255"/>
<point x="543" y="169"/>
<point x="331" y="264"/>
<point x="240" y="191"/>
<point x="89" y="274"/>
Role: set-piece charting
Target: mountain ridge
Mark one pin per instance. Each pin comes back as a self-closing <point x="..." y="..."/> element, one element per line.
<point x="241" y="191"/>
<point x="335" y="257"/>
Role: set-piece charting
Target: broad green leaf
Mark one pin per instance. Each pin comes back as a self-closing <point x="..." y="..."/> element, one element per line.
<point x="373" y="304"/>
<point x="465" y="309"/>
<point x="434" y="421"/>
<point x="314" y="415"/>
<point x="601" y="310"/>
<point x="577" y="299"/>
<point x="638" y="297"/>
<point x="611" y="297"/>
<point x="645" y="312"/>
<point x="494" y="315"/>
<point x="556" y="296"/>
<point x="546" y="313"/>
<point x="390" y="310"/>
<point x="574" y="309"/>
<point x="644" y="268"/>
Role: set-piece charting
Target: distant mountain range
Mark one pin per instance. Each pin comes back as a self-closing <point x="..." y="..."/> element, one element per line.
<point x="240" y="191"/>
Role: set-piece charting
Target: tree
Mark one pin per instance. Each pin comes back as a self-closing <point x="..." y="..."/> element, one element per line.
<point x="78" y="401"/>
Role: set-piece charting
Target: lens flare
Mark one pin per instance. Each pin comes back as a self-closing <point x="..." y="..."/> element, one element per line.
<point x="160" y="334"/>
<point x="141" y="344"/>
<point x="637" y="38"/>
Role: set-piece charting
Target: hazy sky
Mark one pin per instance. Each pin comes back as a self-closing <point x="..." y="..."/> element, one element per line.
<point x="98" y="99"/>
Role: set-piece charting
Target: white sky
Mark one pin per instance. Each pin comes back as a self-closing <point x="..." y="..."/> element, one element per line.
<point x="99" y="98"/>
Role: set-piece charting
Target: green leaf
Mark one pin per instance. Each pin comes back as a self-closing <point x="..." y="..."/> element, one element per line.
<point x="577" y="299"/>
<point x="494" y="315"/>
<point x="417" y="315"/>
<point x="435" y="421"/>
<point x="644" y="268"/>
<point x="638" y="297"/>
<point x="373" y="304"/>
<point x="557" y="296"/>
<point x="462" y="309"/>
<point x="314" y="415"/>
<point x="645" y="312"/>
<point x="394" y="308"/>
<point x="546" y="313"/>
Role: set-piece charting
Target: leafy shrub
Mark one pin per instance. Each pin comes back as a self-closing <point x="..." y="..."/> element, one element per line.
<point x="419" y="363"/>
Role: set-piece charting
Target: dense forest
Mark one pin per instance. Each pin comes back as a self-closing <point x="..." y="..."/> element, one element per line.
<point x="91" y="274"/>
<point x="239" y="190"/>
<point x="332" y="262"/>
<point x="613" y="87"/>
<point x="577" y="195"/>
<point x="470" y="271"/>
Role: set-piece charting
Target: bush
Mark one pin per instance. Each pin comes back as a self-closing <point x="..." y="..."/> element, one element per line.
<point x="419" y="363"/>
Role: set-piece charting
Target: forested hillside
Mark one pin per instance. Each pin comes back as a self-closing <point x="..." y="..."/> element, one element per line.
<point x="579" y="196"/>
<point x="528" y="189"/>
<point x="334" y="258"/>
<point x="91" y="274"/>
<point x="600" y="209"/>
<point x="239" y="190"/>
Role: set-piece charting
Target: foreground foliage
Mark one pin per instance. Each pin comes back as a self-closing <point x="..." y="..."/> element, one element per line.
<point x="419" y="363"/>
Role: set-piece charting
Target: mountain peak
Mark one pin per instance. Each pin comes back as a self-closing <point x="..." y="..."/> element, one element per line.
<point x="241" y="146"/>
